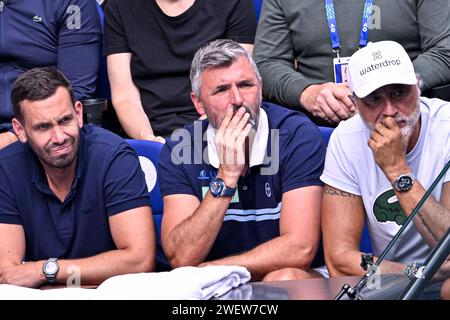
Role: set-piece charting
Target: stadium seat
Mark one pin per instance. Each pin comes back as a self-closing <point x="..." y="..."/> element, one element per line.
<point x="148" y="152"/>
<point x="103" y="90"/>
<point x="326" y="133"/>
<point x="365" y="244"/>
<point x="257" y="4"/>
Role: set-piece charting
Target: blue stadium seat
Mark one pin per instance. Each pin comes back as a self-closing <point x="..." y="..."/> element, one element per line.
<point x="257" y="4"/>
<point x="103" y="89"/>
<point x="326" y="133"/>
<point x="148" y="152"/>
<point x="365" y="244"/>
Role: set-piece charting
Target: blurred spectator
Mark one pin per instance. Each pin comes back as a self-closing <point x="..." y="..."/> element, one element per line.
<point x="61" y="33"/>
<point x="150" y="46"/>
<point x="294" y="54"/>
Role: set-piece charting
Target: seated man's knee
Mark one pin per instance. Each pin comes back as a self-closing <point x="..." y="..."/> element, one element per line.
<point x="291" y="274"/>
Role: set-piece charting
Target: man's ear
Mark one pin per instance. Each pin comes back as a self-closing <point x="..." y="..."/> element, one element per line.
<point x="197" y="104"/>
<point x="78" y="106"/>
<point x="419" y="86"/>
<point x="19" y="130"/>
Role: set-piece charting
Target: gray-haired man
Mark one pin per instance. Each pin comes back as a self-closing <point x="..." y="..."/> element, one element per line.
<point x="227" y="208"/>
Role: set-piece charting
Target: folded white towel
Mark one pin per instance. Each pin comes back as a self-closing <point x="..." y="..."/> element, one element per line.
<point x="199" y="283"/>
<point x="196" y="283"/>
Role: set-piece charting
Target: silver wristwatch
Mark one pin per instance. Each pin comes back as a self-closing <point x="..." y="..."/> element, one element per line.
<point x="404" y="182"/>
<point x="50" y="269"/>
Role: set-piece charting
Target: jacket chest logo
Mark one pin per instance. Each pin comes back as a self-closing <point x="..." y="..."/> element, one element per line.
<point x="37" y="19"/>
<point x="268" y="190"/>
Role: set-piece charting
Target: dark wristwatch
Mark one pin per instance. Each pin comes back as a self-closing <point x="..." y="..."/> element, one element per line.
<point x="218" y="188"/>
<point x="50" y="269"/>
<point x="404" y="182"/>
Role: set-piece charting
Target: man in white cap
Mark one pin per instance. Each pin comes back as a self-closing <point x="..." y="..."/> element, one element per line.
<point x="380" y="163"/>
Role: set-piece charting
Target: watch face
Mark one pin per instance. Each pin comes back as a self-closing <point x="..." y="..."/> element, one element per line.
<point x="51" y="267"/>
<point x="216" y="187"/>
<point x="404" y="183"/>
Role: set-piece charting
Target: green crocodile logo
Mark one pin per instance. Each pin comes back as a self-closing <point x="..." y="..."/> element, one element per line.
<point x="387" y="208"/>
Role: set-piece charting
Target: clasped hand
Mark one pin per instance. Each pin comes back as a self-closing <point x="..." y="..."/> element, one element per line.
<point x="329" y="101"/>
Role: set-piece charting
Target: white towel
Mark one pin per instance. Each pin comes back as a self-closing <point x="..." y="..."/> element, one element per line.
<point x="196" y="283"/>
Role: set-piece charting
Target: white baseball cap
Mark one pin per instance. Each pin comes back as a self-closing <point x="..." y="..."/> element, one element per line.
<point x="379" y="64"/>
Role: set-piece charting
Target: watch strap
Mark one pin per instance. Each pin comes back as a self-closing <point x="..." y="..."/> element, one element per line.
<point x="51" y="277"/>
<point x="228" y="191"/>
<point x="225" y="190"/>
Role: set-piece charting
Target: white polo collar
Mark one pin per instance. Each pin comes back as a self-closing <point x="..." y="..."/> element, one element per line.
<point x="259" y="146"/>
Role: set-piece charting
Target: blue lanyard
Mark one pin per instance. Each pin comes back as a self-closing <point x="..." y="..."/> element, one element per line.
<point x="332" y="25"/>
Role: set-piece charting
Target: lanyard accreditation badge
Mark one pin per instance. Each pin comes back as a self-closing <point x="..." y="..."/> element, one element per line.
<point x="340" y="63"/>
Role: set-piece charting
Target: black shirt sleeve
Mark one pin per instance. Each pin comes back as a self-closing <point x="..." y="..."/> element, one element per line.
<point x="114" y="33"/>
<point x="242" y="22"/>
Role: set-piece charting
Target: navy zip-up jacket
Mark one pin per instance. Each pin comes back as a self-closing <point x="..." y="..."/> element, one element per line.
<point x="61" y="33"/>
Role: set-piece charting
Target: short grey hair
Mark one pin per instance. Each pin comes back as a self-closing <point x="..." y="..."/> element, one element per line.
<point x="215" y="54"/>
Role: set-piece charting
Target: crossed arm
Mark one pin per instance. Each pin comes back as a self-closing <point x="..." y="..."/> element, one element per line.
<point x="132" y="232"/>
<point x="190" y="228"/>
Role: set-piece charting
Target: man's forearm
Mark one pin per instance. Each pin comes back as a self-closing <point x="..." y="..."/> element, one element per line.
<point x="190" y="242"/>
<point x="133" y="119"/>
<point x="444" y="271"/>
<point x="283" y="83"/>
<point x="348" y="263"/>
<point x="432" y="221"/>
<point x="96" y="269"/>
<point x="87" y="271"/>
<point x="278" y="253"/>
